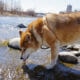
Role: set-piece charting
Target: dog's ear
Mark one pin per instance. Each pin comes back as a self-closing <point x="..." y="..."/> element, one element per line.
<point x="20" y="33"/>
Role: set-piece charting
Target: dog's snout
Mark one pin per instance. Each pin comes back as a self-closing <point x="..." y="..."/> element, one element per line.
<point x="21" y="57"/>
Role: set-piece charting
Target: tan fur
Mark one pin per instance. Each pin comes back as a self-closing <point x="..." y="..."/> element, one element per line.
<point x="55" y="30"/>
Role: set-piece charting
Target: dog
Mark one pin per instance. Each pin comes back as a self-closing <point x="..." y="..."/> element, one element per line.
<point x="53" y="31"/>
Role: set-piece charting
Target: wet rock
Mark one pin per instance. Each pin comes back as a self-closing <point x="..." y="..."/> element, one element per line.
<point x="21" y="26"/>
<point x="68" y="57"/>
<point x="78" y="54"/>
<point x="14" y="43"/>
<point x="59" y="72"/>
<point x="74" y="47"/>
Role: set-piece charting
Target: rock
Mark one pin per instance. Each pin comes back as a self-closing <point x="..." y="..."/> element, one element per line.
<point x="58" y="72"/>
<point x="68" y="57"/>
<point x="14" y="43"/>
<point x="74" y="47"/>
<point x="21" y="26"/>
<point x="77" y="54"/>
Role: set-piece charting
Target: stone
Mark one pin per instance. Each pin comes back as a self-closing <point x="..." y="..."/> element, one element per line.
<point x="14" y="43"/>
<point x="58" y="72"/>
<point x="21" y="26"/>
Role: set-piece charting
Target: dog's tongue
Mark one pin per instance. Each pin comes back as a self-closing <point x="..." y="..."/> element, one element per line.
<point x="26" y="58"/>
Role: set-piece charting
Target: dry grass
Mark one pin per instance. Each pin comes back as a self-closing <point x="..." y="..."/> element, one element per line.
<point x="3" y="43"/>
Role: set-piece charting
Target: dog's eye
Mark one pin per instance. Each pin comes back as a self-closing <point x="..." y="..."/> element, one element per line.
<point x="28" y="38"/>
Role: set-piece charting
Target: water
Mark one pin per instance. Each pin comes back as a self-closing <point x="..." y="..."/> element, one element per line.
<point x="8" y="26"/>
<point x="10" y="59"/>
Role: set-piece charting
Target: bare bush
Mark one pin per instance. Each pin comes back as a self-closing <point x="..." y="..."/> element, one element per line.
<point x="1" y="7"/>
<point x="31" y="12"/>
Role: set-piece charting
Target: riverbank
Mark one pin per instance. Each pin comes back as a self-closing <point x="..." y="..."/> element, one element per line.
<point x="24" y="14"/>
<point x="15" y="15"/>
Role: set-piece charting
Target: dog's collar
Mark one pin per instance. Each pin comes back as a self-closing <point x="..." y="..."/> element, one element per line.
<point x="42" y="45"/>
<point x="39" y="38"/>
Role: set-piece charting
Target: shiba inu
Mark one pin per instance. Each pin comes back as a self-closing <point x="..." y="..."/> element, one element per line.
<point x="52" y="30"/>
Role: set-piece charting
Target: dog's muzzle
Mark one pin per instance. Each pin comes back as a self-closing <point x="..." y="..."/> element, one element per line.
<point x="23" y="58"/>
<point x="22" y="51"/>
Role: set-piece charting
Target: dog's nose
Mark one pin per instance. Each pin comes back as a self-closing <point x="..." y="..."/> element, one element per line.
<point x="21" y="58"/>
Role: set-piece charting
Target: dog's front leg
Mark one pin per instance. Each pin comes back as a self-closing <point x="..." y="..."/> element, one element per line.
<point x="54" y="55"/>
<point x="52" y="41"/>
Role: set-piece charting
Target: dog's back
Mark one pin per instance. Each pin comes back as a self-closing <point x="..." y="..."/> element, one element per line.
<point x="65" y="26"/>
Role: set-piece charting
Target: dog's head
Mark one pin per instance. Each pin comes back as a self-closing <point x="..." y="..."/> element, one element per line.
<point x="28" y="41"/>
<point x="28" y="44"/>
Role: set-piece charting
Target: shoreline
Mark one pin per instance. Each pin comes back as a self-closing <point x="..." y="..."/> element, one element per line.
<point x="15" y="15"/>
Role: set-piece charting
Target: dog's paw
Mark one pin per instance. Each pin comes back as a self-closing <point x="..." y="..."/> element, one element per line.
<point x="51" y="65"/>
